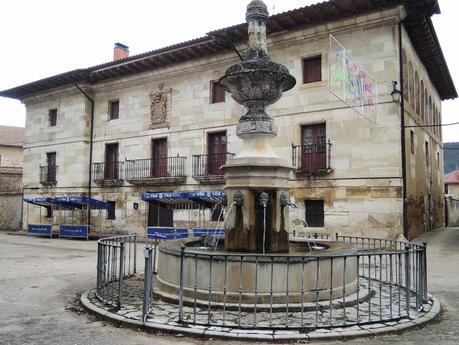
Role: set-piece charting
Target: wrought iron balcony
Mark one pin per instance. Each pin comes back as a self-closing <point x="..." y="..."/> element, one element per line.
<point x="108" y="173"/>
<point x="48" y="175"/>
<point x="311" y="160"/>
<point x="207" y="167"/>
<point x="158" y="171"/>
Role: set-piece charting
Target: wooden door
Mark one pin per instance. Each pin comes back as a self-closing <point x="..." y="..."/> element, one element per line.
<point x="313" y="148"/>
<point x="216" y="152"/>
<point x="111" y="162"/>
<point x="159" y="158"/>
<point x="51" y="161"/>
<point x="160" y="214"/>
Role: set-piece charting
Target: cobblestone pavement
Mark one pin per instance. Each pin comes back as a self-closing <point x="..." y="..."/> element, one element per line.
<point x="40" y="278"/>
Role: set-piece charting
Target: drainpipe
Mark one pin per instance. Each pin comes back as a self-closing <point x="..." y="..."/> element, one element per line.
<point x="402" y="132"/>
<point x="90" y="148"/>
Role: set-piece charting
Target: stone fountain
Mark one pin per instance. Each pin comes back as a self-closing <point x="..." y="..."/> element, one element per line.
<point x="257" y="178"/>
<point x="258" y="202"/>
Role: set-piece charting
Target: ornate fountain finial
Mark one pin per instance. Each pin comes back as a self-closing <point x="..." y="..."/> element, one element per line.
<point x="257" y="16"/>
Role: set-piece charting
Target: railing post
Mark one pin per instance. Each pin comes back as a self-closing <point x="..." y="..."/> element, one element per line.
<point x="407" y="279"/>
<point x="147" y="284"/>
<point x="121" y="275"/>
<point x="98" y="268"/>
<point x="424" y="272"/>
<point x="135" y="253"/>
<point x="182" y="259"/>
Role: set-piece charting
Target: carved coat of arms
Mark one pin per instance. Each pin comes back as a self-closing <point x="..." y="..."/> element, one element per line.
<point x="159" y="109"/>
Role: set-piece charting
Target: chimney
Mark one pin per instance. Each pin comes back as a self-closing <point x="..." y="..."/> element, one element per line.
<point x="120" y="51"/>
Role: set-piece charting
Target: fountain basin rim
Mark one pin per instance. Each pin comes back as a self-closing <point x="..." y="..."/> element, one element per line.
<point x="335" y="249"/>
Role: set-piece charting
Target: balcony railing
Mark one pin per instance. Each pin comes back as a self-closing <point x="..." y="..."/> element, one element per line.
<point x="167" y="170"/>
<point x="310" y="160"/>
<point x="48" y="174"/>
<point x="206" y="168"/>
<point x="108" y="172"/>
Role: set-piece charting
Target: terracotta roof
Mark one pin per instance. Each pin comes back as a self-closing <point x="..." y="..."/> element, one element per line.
<point x="417" y="23"/>
<point x="11" y="136"/>
<point x="452" y="177"/>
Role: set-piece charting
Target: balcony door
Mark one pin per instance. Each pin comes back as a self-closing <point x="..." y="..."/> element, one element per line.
<point x="216" y="152"/>
<point x="159" y="158"/>
<point x="313" y="148"/>
<point x="111" y="162"/>
<point x="51" y="161"/>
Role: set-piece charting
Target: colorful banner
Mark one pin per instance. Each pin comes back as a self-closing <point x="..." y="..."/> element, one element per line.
<point x="166" y="233"/>
<point x="351" y="83"/>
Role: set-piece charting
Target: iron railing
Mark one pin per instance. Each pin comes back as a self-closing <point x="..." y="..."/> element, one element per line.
<point x="311" y="159"/>
<point x="141" y="169"/>
<point x="104" y="171"/>
<point x="116" y="260"/>
<point x="208" y="165"/>
<point x="48" y="174"/>
<point x="390" y="283"/>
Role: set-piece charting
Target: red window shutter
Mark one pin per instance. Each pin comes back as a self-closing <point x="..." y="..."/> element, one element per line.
<point x="312" y="70"/>
<point x="114" y="109"/>
<point x="218" y="93"/>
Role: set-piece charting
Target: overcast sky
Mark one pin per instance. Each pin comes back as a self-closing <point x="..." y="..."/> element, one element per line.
<point x="41" y="38"/>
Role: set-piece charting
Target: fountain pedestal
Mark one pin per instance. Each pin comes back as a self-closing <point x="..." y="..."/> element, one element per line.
<point x="256" y="170"/>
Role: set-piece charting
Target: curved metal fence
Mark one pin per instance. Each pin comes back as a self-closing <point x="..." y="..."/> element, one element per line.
<point x="116" y="260"/>
<point x="379" y="281"/>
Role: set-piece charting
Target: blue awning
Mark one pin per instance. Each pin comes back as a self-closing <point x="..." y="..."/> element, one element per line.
<point x="43" y="201"/>
<point x="185" y="197"/>
<point x="77" y="201"/>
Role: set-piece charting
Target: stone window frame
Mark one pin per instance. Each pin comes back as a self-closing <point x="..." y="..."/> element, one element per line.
<point x="112" y="115"/>
<point x="52" y="117"/>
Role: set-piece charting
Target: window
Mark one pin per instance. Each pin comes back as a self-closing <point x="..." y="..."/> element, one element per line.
<point x="411" y="85"/>
<point x="312" y="70"/>
<point x="427" y="154"/>
<point x="438" y="160"/>
<point x="51" y="168"/>
<point x="405" y="76"/>
<point x="422" y="101"/>
<point x="417" y="94"/>
<point x="111" y="171"/>
<point x="158" y="158"/>
<point x="216" y="152"/>
<point x="412" y="142"/>
<point x="111" y="211"/>
<point x="52" y="117"/>
<point x="114" y="109"/>
<point x="218" y="93"/>
<point x="314" y="213"/>
<point x="313" y="148"/>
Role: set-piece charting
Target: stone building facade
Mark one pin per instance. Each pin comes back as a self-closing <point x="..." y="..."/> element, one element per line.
<point x="11" y="159"/>
<point x="350" y="173"/>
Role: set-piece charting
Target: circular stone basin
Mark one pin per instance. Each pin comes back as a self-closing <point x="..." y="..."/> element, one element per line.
<point x="221" y="277"/>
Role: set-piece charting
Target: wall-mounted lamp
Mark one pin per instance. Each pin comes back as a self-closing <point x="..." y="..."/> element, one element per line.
<point x="396" y="94"/>
<point x="136" y="206"/>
